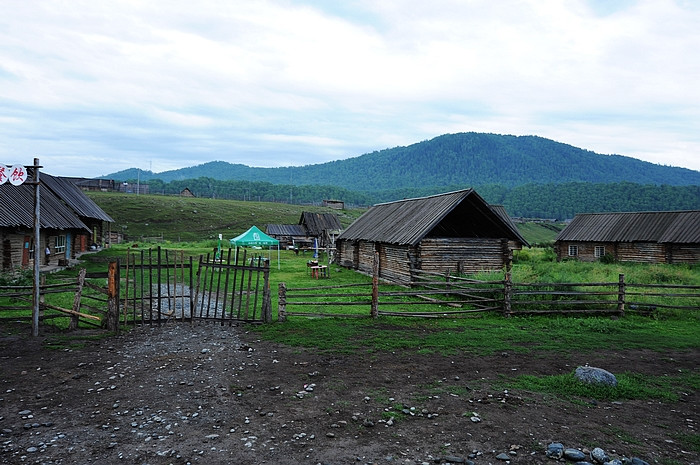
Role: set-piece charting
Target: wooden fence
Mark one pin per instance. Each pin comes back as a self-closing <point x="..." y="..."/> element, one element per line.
<point x="19" y="300"/>
<point x="153" y="287"/>
<point x="436" y="295"/>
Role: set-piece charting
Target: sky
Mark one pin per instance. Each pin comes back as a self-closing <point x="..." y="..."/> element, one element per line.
<point x="95" y="87"/>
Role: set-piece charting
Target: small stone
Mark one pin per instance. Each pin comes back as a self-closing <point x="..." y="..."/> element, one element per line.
<point x="330" y="435"/>
<point x="574" y="455"/>
<point x="555" y="450"/>
<point x="599" y="455"/>
<point x="503" y="456"/>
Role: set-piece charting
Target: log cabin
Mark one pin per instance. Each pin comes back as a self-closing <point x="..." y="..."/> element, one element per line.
<point x="69" y="222"/>
<point x="643" y="237"/>
<point x="455" y="232"/>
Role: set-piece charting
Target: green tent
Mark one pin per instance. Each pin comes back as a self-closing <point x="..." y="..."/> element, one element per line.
<point x="254" y="237"/>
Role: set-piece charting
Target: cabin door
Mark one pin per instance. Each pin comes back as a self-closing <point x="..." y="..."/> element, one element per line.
<point x="26" y="247"/>
<point x="68" y="241"/>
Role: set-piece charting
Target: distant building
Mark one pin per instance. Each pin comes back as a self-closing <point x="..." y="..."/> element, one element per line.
<point x="313" y="229"/>
<point x="646" y="237"/>
<point x="133" y="188"/>
<point x="186" y="192"/>
<point x="334" y="204"/>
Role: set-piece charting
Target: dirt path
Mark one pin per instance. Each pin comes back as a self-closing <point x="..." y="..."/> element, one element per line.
<point x="206" y="394"/>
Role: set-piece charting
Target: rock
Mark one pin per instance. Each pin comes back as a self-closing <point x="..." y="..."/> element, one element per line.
<point x="574" y="455"/>
<point x="503" y="456"/>
<point x="599" y="455"/>
<point x="592" y="375"/>
<point x="555" y="450"/>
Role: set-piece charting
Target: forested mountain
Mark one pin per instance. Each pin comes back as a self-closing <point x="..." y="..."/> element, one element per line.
<point x="465" y="159"/>
<point x="530" y="176"/>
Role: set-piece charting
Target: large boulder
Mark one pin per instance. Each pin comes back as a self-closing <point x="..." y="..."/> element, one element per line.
<point x="592" y="375"/>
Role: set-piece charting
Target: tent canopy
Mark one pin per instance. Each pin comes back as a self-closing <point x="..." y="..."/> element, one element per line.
<point x="254" y="237"/>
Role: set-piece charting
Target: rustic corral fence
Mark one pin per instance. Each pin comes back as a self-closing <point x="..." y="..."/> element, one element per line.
<point x="153" y="287"/>
<point x="18" y="301"/>
<point x="435" y="295"/>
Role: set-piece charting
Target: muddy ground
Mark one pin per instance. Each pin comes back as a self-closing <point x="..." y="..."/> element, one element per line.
<point x="216" y="395"/>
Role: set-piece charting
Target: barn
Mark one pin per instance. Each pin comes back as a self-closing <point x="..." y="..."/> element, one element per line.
<point x="456" y="232"/>
<point x="644" y="237"/>
<point x="70" y="222"/>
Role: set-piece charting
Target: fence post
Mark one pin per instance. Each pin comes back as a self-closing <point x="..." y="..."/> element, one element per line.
<point x="267" y="302"/>
<point x="282" y="302"/>
<point x="621" y="295"/>
<point x="73" y="325"/>
<point x="375" y="286"/>
<point x="507" y="294"/>
<point x="112" y="320"/>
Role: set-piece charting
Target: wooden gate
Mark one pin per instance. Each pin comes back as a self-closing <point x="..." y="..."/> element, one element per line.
<point x="162" y="285"/>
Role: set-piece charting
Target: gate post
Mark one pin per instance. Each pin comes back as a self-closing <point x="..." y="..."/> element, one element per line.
<point x="282" y="302"/>
<point x="112" y="320"/>
<point x="267" y="302"/>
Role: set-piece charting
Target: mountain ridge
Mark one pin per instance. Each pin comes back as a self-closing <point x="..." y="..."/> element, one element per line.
<point x="450" y="159"/>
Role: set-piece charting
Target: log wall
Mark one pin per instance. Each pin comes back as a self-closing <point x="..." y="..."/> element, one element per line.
<point x="463" y="255"/>
<point x="683" y="253"/>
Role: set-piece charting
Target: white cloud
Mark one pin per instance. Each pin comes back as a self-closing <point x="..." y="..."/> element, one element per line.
<point x="98" y="87"/>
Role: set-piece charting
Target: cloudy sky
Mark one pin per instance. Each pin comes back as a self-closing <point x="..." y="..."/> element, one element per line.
<point x="93" y="87"/>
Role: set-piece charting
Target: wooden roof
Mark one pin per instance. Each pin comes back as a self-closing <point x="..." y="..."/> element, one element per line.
<point x="75" y="198"/>
<point x="316" y="223"/>
<point x="454" y="214"/>
<point x="670" y="226"/>
<point x="285" y="230"/>
<point x="18" y="209"/>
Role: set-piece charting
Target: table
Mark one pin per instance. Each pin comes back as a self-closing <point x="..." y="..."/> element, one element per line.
<point x="319" y="270"/>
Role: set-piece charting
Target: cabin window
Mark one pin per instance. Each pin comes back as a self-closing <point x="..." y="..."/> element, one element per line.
<point x="573" y="251"/>
<point x="599" y="251"/>
<point x="60" y="244"/>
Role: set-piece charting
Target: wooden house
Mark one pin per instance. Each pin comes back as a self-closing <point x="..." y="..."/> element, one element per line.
<point x="69" y="222"/>
<point x="646" y="237"/>
<point x="334" y="204"/>
<point x="289" y="234"/>
<point x="323" y="227"/>
<point x="456" y="232"/>
<point x="186" y="192"/>
<point x="313" y="228"/>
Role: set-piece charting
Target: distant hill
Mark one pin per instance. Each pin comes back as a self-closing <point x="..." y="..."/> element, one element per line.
<point x="464" y="159"/>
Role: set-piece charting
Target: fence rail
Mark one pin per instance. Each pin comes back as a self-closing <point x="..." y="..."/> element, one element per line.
<point x="466" y="296"/>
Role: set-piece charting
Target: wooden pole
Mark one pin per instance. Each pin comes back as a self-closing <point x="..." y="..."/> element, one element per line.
<point x="374" y="312"/>
<point x="507" y="294"/>
<point x="112" y="320"/>
<point x="73" y="325"/>
<point x="282" y="302"/>
<point x="621" y="295"/>
<point x="38" y="251"/>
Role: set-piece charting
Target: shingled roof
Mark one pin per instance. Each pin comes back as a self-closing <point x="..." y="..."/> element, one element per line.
<point x="681" y="227"/>
<point x="454" y="214"/>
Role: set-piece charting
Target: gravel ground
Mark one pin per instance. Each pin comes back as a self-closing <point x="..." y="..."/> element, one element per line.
<point x="209" y="394"/>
